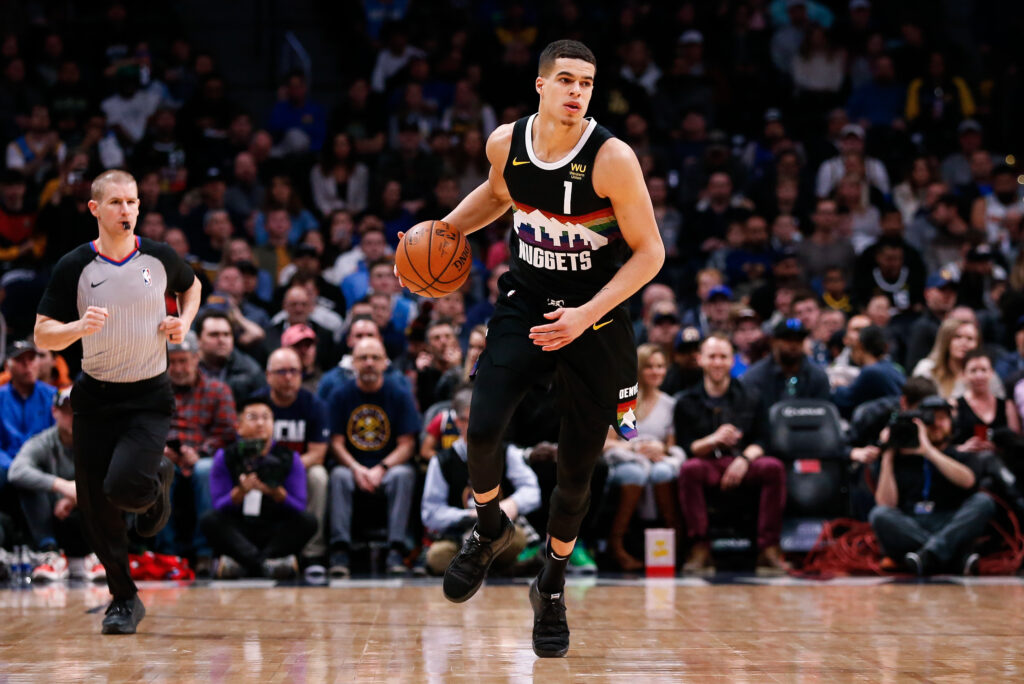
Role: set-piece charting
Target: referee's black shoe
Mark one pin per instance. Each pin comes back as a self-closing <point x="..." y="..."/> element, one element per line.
<point x="550" y="628"/>
<point x="124" y="615"/>
<point x="148" y="523"/>
<point x="468" y="569"/>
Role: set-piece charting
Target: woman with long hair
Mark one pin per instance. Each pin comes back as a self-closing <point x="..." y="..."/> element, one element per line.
<point x="338" y="181"/>
<point x="282" y="195"/>
<point x="910" y="195"/>
<point x="651" y="459"/>
<point x="945" y="364"/>
<point x="979" y="411"/>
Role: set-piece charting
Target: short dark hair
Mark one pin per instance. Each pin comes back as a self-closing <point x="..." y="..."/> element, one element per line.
<point x="206" y="315"/>
<point x="977" y="353"/>
<point x="437" y="323"/>
<point x="804" y="295"/>
<point x="872" y="340"/>
<point x="569" y="49"/>
<point x="917" y="388"/>
<point x="383" y="261"/>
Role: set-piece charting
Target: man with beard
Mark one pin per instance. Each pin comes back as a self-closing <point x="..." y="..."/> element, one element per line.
<point x="787" y="373"/>
<point x="373" y="431"/>
<point x="219" y="359"/>
<point x="685" y="371"/>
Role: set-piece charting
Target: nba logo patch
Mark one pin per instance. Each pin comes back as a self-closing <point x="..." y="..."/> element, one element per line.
<point x="147" y="278"/>
<point x="626" y="416"/>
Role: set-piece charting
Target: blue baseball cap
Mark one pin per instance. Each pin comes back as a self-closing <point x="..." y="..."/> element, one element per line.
<point x="943" y="278"/>
<point x="719" y="291"/>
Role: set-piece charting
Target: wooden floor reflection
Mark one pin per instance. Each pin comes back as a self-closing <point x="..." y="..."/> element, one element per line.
<point x="660" y="630"/>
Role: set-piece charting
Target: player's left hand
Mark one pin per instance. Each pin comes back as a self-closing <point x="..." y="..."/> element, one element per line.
<point x="569" y="323"/>
<point x="173" y="328"/>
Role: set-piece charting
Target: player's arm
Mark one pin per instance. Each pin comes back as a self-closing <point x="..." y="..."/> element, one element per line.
<point x="53" y="335"/>
<point x="618" y="177"/>
<point x="491" y="198"/>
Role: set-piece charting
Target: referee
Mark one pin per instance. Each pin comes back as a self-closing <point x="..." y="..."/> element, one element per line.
<point x="110" y="293"/>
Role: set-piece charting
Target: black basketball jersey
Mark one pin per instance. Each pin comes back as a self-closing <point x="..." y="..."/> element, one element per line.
<point x="565" y="243"/>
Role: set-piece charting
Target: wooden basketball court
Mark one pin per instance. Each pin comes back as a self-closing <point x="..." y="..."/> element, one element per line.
<point x="749" y="630"/>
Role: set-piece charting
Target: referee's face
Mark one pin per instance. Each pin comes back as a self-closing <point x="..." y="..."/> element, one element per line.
<point x="120" y="203"/>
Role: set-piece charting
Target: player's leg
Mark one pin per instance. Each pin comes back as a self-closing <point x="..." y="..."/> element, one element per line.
<point x="506" y="370"/>
<point x="596" y="378"/>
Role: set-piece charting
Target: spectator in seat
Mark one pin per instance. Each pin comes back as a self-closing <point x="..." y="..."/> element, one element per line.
<point x="979" y="412"/>
<point x="441" y="355"/>
<point x="945" y="363"/>
<point x="258" y="523"/>
<point x="219" y="359"/>
<point x="204" y="421"/>
<point x="928" y="510"/>
<point x="373" y="434"/>
<point x="1011" y="363"/>
<point x="301" y="424"/>
<point x="722" y="426"/>
<point x="651" y="459"/>
<point x="787" y="373"/>
<point x="878" y="376"/>
<point x="43" y="474"/>
<point x="447" y="509"/>
<point x="25" y="403"/>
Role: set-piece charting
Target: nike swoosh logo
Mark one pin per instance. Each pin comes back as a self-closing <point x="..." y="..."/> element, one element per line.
<point x="99" y="283"/>
<point x="598" y="326"/>
<point x="516" y="162"/>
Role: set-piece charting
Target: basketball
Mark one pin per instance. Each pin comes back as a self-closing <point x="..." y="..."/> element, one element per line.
<point x="433" y="259"/>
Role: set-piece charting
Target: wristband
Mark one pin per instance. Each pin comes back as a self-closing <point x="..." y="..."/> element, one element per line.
<point x="744" y="457"/>
<point x="384" y="465"/>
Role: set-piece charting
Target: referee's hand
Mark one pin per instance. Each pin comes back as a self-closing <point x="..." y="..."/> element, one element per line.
<point x="172" y="327"/>
<point x="93" y="320"/>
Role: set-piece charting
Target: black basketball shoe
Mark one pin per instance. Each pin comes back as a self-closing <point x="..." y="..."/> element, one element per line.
<point x="468" y="569"/>
<point x="550" y="628"/>
<point x="124" y="615"/>
<point x="148" y="523"/>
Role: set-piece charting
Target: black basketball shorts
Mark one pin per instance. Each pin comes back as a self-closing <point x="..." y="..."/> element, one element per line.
<point x="596" y="371"/>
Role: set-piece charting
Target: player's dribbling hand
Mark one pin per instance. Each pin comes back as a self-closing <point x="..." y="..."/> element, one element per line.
<point x="93" y="320"/>
<point x="401" y="234"/>
<point x="173" y="329"/>
<point x="569" y="323"/>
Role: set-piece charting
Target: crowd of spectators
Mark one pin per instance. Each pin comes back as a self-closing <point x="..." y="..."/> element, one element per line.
<point x="835" y="182"/>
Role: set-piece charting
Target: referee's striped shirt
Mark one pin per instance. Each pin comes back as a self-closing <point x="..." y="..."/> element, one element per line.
<point x="129" y="347"/>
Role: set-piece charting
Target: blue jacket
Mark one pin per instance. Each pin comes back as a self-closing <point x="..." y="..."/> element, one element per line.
<point x="20" y="418"/>
<point x="882" y="379"/>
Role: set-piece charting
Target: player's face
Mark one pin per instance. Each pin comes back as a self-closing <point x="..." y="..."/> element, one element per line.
<point x="566" y="88"/>
<point x="119" y="204"/>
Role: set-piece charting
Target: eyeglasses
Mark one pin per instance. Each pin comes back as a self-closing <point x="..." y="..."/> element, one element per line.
<point x="258" y="417"/>
<point x="283" y="372"/>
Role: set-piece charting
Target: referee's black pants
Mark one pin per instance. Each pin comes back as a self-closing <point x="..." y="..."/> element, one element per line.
<point x="119" y="433"/>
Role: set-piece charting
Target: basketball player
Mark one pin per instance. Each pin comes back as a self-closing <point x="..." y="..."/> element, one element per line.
<point x="110" y="293"/>
<point x="584" y="240"/>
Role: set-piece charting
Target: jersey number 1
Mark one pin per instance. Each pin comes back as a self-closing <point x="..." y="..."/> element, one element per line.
<point x="568" y="198"/>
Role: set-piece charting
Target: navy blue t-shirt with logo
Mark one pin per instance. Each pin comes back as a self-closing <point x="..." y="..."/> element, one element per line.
<point x="371" y="422"/>
<point x="303" y="422"/>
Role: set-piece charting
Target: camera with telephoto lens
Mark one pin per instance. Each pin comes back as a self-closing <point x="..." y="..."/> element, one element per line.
<point x="903" y="430"/>
<point x="272" y="467"/>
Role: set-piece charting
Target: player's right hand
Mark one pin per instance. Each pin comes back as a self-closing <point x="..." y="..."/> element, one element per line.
<point x="401" y="234"/>
<point x="93" y="320"/>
